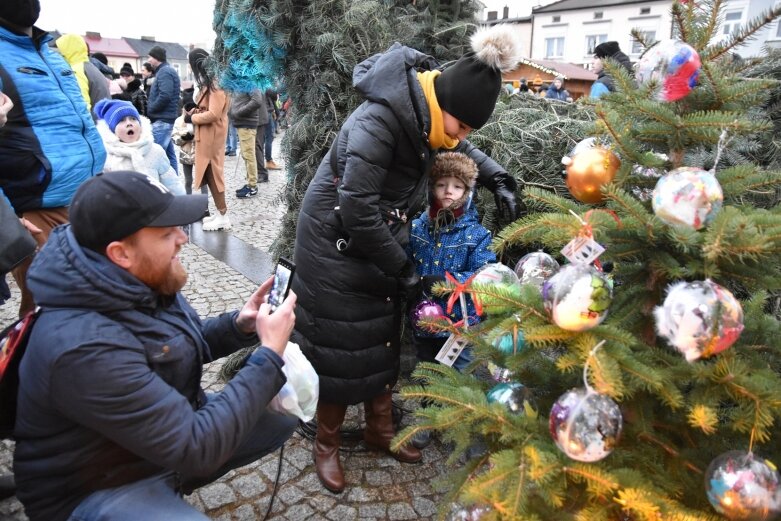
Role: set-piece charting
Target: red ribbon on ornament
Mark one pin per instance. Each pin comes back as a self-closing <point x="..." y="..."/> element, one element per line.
<point x="461" y="289"/>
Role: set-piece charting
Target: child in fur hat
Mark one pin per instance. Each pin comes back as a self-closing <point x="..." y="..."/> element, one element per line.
<point x="127" y="137"/>
<point x="447" y="237"/>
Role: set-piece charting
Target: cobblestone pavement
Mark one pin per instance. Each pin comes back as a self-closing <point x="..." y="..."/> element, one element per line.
<point x="378" y="486"/>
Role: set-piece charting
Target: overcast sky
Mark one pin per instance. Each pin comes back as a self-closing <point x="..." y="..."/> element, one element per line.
<point x="182" y="21"/>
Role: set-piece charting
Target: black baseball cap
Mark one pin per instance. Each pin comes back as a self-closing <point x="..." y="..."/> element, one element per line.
<point x="115" y="205"/>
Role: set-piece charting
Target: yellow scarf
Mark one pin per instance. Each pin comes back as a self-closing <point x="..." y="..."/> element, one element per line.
<point x="436" y="136"/>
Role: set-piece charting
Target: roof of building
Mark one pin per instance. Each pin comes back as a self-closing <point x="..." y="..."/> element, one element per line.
<point x="173" y="51"/>
<point x="109" y="46"/>
<point x="569" y="71"/>
<point x="518" y="20"/>
<point x="568" y="5"/>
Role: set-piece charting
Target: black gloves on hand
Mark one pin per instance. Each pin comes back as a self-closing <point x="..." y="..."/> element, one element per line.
<point x="429" y="281"/>
<point x="505" y="200"/>
<point x="409" y="280"/>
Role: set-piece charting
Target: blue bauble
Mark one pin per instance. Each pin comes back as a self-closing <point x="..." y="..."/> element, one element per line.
<point x="505" y="344"/>
<point x="513" y="395"/>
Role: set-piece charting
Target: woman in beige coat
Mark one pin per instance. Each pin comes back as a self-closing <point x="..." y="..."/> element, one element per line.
<point x="210" y="119"/>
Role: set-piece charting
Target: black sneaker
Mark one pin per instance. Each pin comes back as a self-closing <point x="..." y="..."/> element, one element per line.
<point x="241" y="189"/>
<point x="246" y="192"/>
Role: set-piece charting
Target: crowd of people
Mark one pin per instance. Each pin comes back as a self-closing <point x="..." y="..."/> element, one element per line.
<point x="95" y="178"/>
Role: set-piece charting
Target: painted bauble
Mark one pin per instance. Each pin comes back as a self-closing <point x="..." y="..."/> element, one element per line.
<point x="742" y="486"/>
<point x="585" y="425"/>
<point x="496" y="273"/>
<point x="516" y="397"/>
<point x="535" y="268"/>
<point x="699" y="319"/>
<point x="687" y="196"/>
<point x="673" y="66"/>
<point x="577" y="297"/>
<point x="426" y="309"/>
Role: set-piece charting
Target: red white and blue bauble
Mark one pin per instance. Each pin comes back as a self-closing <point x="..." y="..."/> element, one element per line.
<point x="673" y="66"/>
<point x="577" y="297"/>
<point x="535" y="268"/>
<point x="741" y="486"/>
<point x="687" y="196"/>
<point x="699" y="319"/>
<point x="585" y="425"/>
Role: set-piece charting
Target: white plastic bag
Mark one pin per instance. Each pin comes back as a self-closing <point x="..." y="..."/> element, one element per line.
<point x="298" y="397"/>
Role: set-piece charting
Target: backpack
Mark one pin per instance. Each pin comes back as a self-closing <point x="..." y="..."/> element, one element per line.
<point x="13" y="344"/>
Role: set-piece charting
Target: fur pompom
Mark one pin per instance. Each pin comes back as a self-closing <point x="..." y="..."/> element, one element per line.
<point x="498" y="47"/>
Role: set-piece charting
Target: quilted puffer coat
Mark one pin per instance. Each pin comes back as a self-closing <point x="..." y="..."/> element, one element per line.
<point x="348" y="316"/>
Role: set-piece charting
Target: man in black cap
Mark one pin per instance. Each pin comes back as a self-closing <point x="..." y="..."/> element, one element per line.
<point x="163" y="102"/>
<point x="605" y="82"/>
<point x="112" y="421"/>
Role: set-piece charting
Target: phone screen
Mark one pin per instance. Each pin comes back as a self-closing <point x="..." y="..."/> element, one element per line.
<point x="283" y="276"/>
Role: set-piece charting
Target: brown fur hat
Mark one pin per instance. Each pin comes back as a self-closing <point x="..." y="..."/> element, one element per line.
<point x="458" y="165"/>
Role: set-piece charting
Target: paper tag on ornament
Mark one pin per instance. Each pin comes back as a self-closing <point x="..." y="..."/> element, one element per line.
<point x="451" y="350"/>
<point x="582" y="250"/>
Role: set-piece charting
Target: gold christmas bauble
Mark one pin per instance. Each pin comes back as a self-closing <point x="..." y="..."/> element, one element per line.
<point x="589" y="171"/>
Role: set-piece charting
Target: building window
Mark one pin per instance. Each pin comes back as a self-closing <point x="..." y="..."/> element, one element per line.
<point x="732" y="21"/>
<point x="598" y="15"/>
<point x="554" y="47"/>
<point x="645" y="10"/>
<point x="556" y="19"/>
<point x="594" y="40"/>
<point x="650" y="37"/>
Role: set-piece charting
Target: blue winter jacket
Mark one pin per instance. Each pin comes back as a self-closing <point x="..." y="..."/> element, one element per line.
<point x="460" y="248"/>
<point x="163" y="103"/>
<point x="110" y="383"/>
<point x="49" y="146"/>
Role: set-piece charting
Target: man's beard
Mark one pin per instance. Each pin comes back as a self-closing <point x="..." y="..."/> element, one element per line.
<point x="164" y="281"/>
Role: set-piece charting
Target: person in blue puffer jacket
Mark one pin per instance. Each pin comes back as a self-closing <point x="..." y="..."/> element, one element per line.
<point x="447" y="238"/>
<point x="49" y="146"/>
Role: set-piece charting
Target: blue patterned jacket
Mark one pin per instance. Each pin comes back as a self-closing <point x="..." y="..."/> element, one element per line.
<point x="459" y="248"/>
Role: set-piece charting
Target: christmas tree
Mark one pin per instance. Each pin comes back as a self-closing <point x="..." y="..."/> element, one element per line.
<point x="621" y="395"/>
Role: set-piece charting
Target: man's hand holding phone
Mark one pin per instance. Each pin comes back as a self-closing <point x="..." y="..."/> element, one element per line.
<point x="274" y="329"/>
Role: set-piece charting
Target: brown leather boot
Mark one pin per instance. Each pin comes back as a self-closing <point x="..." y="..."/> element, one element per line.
<point x="326" y="446"/>
<point x="379" y="429"/>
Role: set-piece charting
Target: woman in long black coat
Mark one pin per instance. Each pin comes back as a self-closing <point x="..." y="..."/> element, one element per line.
<point x="352" y="268"/>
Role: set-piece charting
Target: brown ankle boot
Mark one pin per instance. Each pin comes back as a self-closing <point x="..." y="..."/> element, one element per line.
<point x="326" y="446"/>
<point x="379" y="429"/>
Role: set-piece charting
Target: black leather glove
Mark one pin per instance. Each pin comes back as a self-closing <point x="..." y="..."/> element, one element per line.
<point x="409" y="280"/>
<point x="429" y="281"/>
<point x="505" y="199"/>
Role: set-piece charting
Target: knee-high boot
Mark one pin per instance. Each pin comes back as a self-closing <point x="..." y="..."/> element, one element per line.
<point x="379" y="429"/>
<point x="326" y="446"/>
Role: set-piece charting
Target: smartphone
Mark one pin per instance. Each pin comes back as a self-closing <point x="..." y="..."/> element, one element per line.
<point x="283" y="277"/>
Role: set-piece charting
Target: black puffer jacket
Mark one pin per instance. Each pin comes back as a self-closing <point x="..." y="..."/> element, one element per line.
<point x="348" y="313"/>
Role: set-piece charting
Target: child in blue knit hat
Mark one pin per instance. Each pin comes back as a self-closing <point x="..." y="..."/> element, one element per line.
<point x="129" y="144"/>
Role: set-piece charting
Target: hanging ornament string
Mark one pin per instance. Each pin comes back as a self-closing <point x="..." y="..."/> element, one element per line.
<point x="719" y="149"/>
<point x="592" y="354"/>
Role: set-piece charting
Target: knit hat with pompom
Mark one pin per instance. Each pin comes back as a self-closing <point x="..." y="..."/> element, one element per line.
<point x="468" y="89"/>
